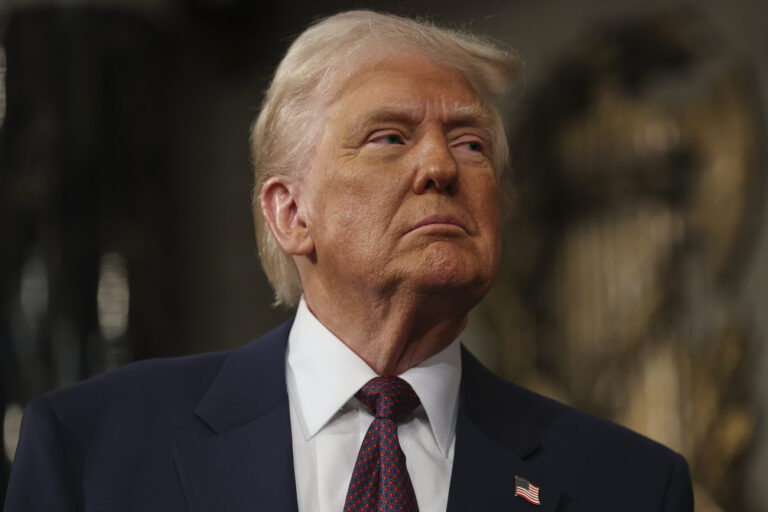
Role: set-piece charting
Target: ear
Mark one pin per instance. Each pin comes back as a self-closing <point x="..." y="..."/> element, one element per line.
<point x="280" y="205"/>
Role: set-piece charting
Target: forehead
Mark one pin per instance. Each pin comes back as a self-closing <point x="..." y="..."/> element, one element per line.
<point x="409" y="86"/>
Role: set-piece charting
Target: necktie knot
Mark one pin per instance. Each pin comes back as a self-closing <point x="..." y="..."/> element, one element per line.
<point x="390" y="397"/>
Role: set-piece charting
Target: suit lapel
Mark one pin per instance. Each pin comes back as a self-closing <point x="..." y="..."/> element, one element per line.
<point x="247" y="463"/>
<point x="495" y="435"/>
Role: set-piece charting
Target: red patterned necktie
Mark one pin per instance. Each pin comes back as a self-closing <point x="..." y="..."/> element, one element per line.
<point x="380" y="481"/>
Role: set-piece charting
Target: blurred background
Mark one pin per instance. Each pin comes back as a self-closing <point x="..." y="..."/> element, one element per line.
<point x="635" y="275"/>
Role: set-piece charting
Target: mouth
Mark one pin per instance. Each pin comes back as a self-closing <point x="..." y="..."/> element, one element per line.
<point x="439" y="222"/>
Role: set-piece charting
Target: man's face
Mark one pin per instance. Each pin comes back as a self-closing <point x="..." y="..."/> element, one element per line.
<point x="402" y="191"/>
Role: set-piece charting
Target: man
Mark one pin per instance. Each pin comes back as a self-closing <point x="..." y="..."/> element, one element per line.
<point x="377" y="153"/>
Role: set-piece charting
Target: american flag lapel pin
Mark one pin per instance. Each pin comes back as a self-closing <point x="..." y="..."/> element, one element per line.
<point x="527" y="490"/>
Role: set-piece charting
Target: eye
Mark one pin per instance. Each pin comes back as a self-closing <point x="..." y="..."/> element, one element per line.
<point x="388" y="139"/>
<point x="470" y="144"/>
<point x="475" y="146"/>
<point x="393" y="138"/>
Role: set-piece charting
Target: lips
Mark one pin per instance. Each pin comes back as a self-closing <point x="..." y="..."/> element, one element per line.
<point x="438" y="220"/>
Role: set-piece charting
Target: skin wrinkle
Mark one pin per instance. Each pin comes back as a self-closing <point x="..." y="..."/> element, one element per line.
<point x="396" y="295"/>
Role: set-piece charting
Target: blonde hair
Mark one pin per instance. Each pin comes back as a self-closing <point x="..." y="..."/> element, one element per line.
<point x="320" y="60"/>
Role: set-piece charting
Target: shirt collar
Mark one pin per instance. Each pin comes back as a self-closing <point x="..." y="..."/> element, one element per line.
<point x="323" y="374"/>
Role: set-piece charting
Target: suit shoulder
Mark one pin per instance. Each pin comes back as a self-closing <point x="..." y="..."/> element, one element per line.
<point x="161" y="391"/>
<point x="584" y="432"/>
<point x="514" y="405"/>
<point x="585" y="448"/>
<point x="575" y="423"/>
<point x="152" y="386"/>
<point x="147" y="373"/>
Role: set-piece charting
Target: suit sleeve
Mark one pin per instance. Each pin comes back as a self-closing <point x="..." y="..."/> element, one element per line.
<point x="679" y="494"/>
<point x="45" y="475"/>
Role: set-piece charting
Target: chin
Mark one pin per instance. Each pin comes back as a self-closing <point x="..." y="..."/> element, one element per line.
<point x="453" y="273"/>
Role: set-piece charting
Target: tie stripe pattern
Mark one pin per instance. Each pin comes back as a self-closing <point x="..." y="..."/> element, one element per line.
<point x="380" y="481"/>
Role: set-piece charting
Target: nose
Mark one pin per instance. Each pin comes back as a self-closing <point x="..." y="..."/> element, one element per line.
<point x="437" y="168"/>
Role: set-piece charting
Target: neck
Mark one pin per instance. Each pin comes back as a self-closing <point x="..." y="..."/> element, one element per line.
<point x="391" y="334"/>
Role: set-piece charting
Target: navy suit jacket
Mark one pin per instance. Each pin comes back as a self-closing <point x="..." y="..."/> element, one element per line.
<point x="212" y="432"/>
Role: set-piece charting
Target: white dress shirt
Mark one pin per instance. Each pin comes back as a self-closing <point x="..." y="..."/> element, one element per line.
<point x="328" y="423"/>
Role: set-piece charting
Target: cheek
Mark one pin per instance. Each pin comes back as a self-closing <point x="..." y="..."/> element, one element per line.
<point x="484" y="203"/>
<point x="356" y="212"/>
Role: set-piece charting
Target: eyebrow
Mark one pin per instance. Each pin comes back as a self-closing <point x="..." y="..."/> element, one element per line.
<point x="475" y="115"/>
